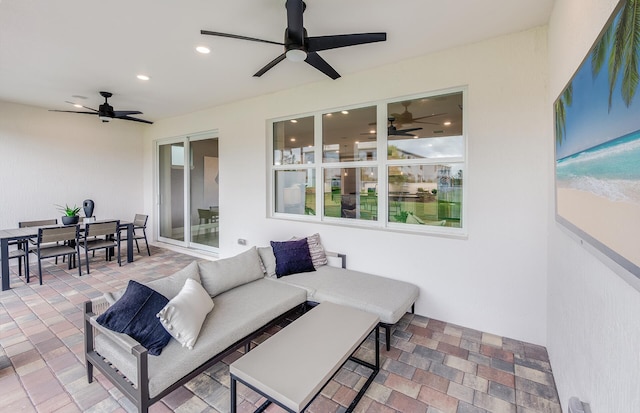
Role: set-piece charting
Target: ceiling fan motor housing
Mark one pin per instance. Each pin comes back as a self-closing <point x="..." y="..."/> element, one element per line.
<point x="106" y="111"/>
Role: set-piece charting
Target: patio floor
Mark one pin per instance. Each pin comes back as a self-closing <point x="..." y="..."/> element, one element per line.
<point x="433" y="366"/>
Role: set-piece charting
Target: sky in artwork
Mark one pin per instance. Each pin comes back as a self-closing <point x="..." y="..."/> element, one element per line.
<point x="589" y="122"/>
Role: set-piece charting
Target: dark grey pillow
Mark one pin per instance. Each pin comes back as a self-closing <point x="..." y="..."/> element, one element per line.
<point x="134" y="314"/>
<point x="292" y="257"/>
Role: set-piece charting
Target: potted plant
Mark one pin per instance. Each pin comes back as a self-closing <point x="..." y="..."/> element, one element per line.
<point x="70" y="216"/>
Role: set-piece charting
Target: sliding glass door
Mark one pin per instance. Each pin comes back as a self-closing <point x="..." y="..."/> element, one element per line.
<point x="188" y="200"/>
<point x="204" y="211"/>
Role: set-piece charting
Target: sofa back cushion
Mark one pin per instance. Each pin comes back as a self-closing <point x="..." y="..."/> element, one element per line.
<point x="268" y="260"/>
<point x="171" y="285"/>
<point x="222" y="275"/>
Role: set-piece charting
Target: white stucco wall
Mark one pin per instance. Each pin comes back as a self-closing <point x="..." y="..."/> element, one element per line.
<point x="593" y="327"/>
<point x="495" y="280"/>
<point x="49" y="158"/>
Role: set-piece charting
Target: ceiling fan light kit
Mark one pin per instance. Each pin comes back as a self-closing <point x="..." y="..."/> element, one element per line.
<point x="296" y="55"/>
<point x="298" y="46"/>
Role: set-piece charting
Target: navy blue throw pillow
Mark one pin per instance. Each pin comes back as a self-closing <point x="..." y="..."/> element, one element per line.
<point x="134" y="314"/>
<point x="292" y="257"/>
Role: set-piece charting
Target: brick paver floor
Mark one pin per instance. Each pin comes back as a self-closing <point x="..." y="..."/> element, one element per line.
<point x="433" y="366"/>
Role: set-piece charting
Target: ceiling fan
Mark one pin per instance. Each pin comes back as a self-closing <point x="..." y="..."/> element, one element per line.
<point x="298" y="46"/>
<point x="105" y="111"/>
<point x="392" y="130"/>
<point x="406" y="117"/>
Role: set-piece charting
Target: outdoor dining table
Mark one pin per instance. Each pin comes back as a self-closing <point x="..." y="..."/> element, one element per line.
<point x="21" y="234"/>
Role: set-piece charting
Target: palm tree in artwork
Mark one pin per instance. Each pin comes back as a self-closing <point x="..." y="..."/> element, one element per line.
<point x="622" y="41"/>
<point x="566" y="99"/>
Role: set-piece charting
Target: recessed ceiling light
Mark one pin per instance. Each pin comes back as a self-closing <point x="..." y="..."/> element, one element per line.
<point x="447" y="123"/>
<point x="293" y="139"/>
<point x="143" y="77"/>
<point x="77" y="105"/>
<point x="328" y="114"/>
<point x="357" y="142"/>
<point x="203" y="50"/>
<point x="372" y="131"/>
<point x="345" y="112"/>
<point x="294" y="120"/>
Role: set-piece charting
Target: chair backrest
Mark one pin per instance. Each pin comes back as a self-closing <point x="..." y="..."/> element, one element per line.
<point x="42" y="222"/>
<point x="101" y="228"/>
<point x="204" y="214"/>
<point x="57" y="234"/>
<point x="140" y="220"/>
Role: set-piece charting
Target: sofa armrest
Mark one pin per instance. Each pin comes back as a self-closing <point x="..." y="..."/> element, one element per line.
<point x="139" y="393"/>
<point x="120" y="339"/>
<point x="336" y="256"/>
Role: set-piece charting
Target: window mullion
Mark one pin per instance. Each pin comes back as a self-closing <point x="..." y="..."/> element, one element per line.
<point x="381" y="116"/>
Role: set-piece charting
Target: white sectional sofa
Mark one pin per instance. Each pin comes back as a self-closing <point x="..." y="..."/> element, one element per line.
<point x="247" y="300"/>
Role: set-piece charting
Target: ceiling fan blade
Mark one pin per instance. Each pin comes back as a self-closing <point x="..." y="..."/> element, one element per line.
<point x="270" y="65"/>
<point x="74" y="104"/>
<point x="319" y="63"/>
<point x="408" y="130"/>
<point x="400" y="133"/>
<point x="73" y="111"/>
<point x="425" y="123"/>
<point x="429" y="116"/>
<point x="121" y="113"/>
<point x="319" y="43"/>
<point x="134" y="119"/>
<point x="295" y="25"/>
<point x="235" y="36"/>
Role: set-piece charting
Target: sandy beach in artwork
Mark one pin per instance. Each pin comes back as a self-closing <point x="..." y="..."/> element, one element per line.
<point x="614" y="223"/>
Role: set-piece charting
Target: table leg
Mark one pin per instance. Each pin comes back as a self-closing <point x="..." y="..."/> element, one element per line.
<point x="233" y="394"/>
<point x="130" y="243"/>
<point x="378" y="346"/>
<point x="4" y="252"/>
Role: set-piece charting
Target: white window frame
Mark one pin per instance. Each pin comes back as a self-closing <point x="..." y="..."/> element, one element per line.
<point x="381" y="163"/>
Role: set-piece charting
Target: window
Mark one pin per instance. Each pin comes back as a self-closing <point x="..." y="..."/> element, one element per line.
<point x="294" y="160"/>
<point x="425" y="147"/>
<point x="397" y="164"/>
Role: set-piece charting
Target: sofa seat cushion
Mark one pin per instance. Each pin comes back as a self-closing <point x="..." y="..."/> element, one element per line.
<point x="387" y="298"/>
<point x="238" y="312"/>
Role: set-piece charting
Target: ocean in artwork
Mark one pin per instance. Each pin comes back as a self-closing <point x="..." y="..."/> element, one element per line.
<point x="610" y="170"/>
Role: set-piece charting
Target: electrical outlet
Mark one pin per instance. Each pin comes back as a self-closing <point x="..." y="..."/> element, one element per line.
<point x="242" y="241"/>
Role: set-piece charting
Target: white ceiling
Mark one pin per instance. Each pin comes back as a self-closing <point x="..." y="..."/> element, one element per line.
<point x="53" y="50"/>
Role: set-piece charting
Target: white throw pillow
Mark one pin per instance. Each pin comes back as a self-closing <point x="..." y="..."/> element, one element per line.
<point x="184" y="314"/>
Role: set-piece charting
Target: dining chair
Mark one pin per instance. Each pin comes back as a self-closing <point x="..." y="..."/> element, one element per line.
<point x="56" y="241"/>
<point x="101" y="235"/>
<point x="20" y="254"/>
<point x="33" y="241"/>
<point x="139" y="224"/>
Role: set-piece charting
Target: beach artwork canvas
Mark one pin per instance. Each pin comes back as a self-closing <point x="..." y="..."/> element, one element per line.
<point x="597" y="143"/>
